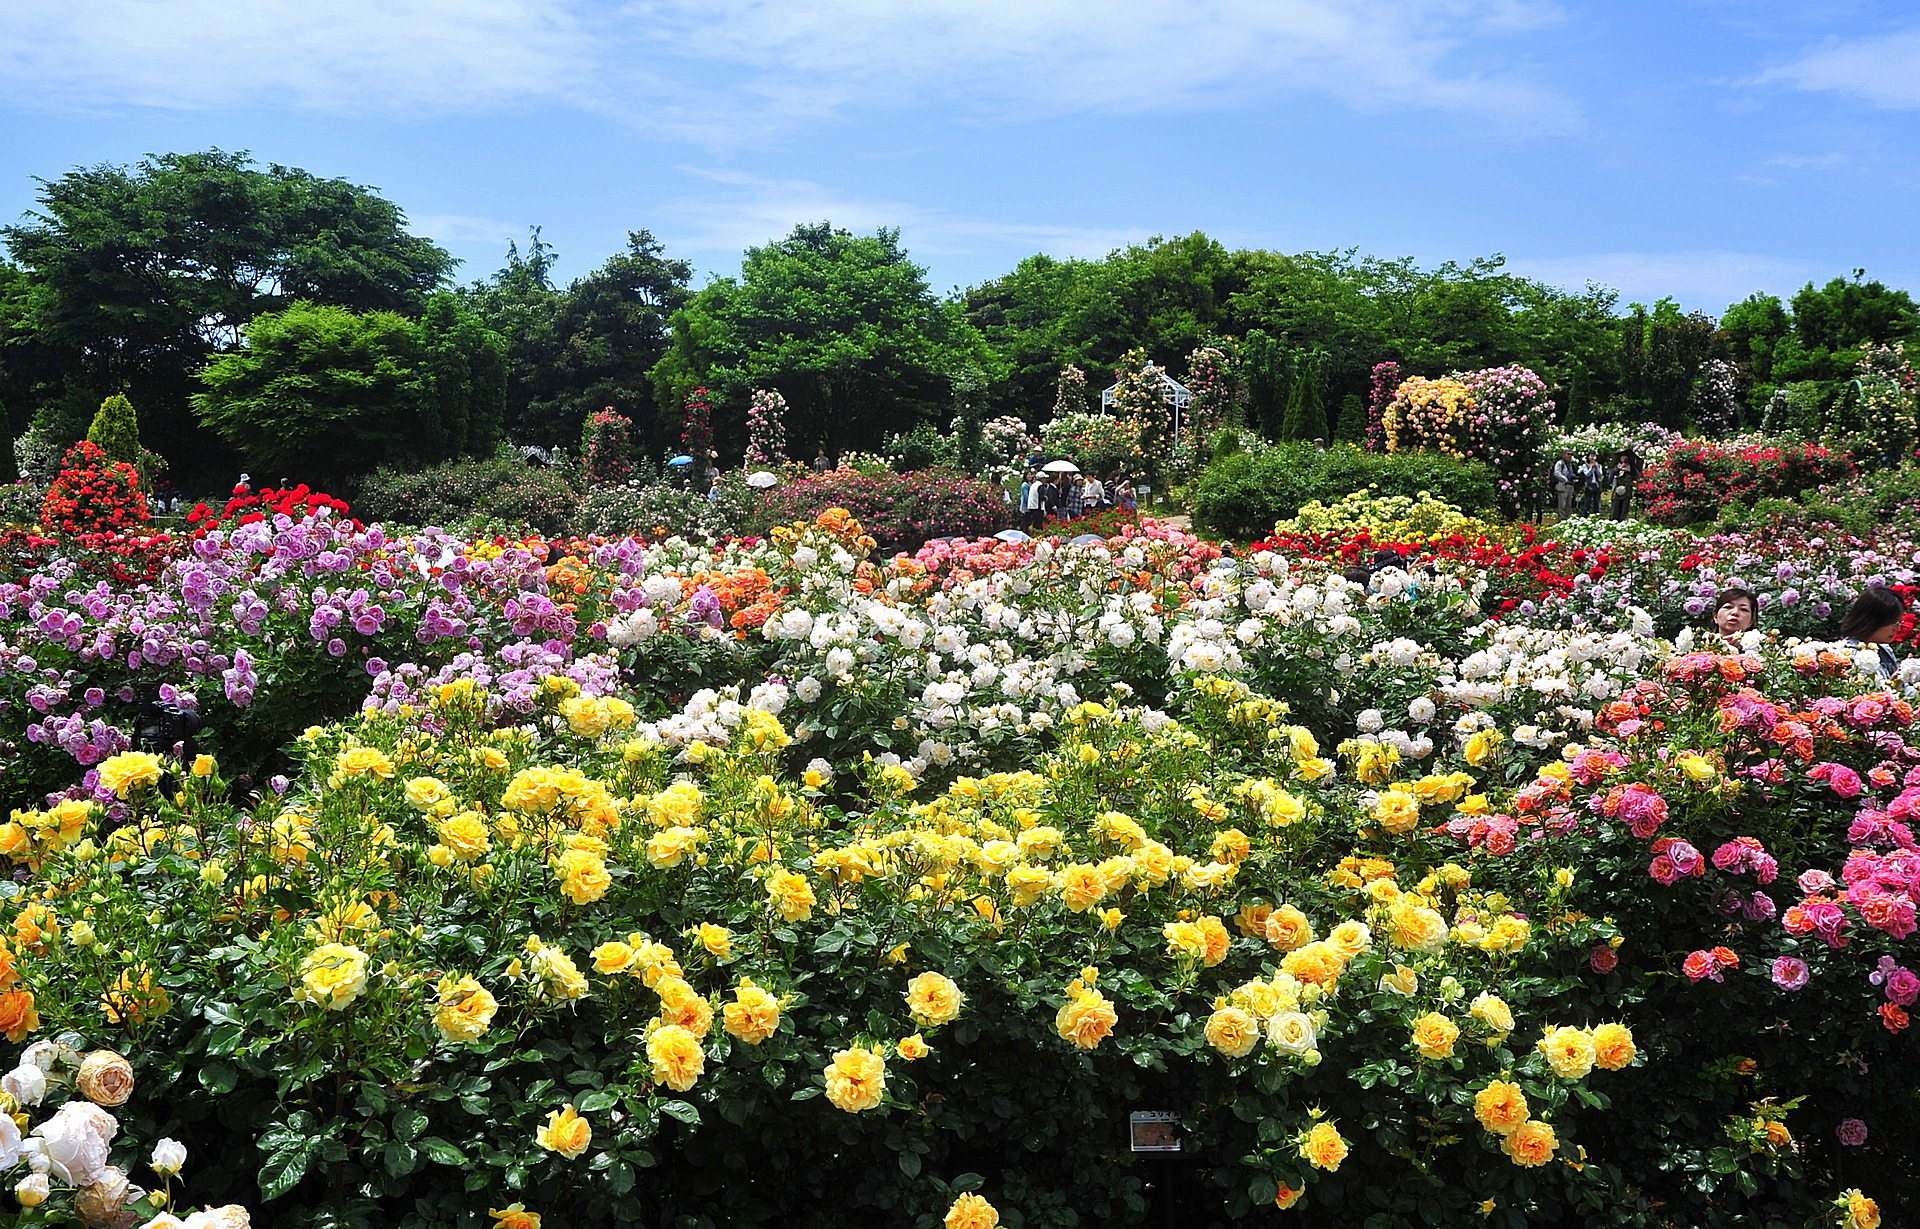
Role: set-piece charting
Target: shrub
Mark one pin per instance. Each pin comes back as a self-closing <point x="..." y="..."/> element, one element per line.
<point x="767" y="430"/>
<point x="94" y="494"/>
<point x="543" y="499"/>
<point x="1242" y="495"/>
<point x="21" y="503"/>
<point x="117" y="430"/>
<point x="900" y="510"/>
<point x="1438" y="414"/>
<point x="661" y="510"/>
<point x="1693" y="482"/>
<point x="254" y="506"/>
<point x="37" y="452"/>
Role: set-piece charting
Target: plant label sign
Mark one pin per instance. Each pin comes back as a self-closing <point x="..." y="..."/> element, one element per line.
<point x="1154" y="1131"/>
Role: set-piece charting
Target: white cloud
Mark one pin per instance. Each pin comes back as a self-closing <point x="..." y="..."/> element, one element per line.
<point x="460" y="228"/>
<point x="754" y="211"/>
<point x="1701" y="280"/>
<point x="724" y="69"/>
<point x="1882" y="69"/>
<point x="336" y="56"/>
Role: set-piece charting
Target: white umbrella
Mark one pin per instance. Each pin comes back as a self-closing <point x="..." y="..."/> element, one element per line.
<point x="761" y="479"/>
<point x="1060" y="467"/>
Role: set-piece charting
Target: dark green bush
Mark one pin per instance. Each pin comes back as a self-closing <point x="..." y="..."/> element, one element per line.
<point x="543" y="499"/>
<point x="1242" y="495"/>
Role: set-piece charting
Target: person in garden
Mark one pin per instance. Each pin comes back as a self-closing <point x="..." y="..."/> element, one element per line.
<point x="1736" y="612"/>
<point x="1074" y="497"/>
<point x="1875" y="618"/>
<point x="1566" y="479"/>
<point x="1034" y="509"/>
<point x="1094" y="496"/>
<point x="1593" y="476"/>
<point x="1051" y="500"/>
<point x="1123" y="493"/>
<point x="1627" y="469"/>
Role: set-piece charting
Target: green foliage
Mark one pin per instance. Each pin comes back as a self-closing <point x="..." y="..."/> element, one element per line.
<point x="117" y="430"/>
<point x="328" y="393"/>
<point x="1351" y="427"/>
<point x="133" y="277"/>
<point x="1242" y="495"/>
<point x="662" y="510"/>
<point x="1306" y="416"/>
<point x="842" y="325"/>
<point x="1098" y="443"/>
<point x="503" y="489"/>
<point x="572" y="351"/>
<point x="900" y="511"/>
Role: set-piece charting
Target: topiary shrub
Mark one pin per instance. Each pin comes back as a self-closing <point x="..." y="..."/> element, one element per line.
<point x="606" y="443"/>
<point x="1242" y="495"/>
<point x="116" y="428"/>
<point x="901" y="511"/>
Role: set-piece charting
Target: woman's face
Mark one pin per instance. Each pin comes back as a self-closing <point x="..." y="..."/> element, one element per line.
<point x="1887" y="634"/>
<point x="1734" y="616"/>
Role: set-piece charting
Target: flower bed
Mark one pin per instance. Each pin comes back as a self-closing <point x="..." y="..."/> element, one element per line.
<point x="784" y="882"/>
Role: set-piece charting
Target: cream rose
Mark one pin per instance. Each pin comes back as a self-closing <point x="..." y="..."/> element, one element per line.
<point x="105" y="1078"/>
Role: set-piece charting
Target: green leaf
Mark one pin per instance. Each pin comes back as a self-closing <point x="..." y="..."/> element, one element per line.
<point x="440" y="1152"/>
<point x="283" y="1171"/>
<point x="408" y="1124"/>
<point x="594" y="1102"/>
<point x="218" y="1078"/>
<point x="910" y="1164"/>
<point x="681" y="1110"/>
<point x="402" y="1159"/>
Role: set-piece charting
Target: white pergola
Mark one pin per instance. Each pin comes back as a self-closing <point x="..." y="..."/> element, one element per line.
<point x="1176" y="394"/>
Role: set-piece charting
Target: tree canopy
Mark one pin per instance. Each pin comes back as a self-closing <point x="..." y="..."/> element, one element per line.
<point x="133" y="277"/>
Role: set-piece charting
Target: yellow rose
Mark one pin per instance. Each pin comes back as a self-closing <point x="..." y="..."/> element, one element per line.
<point x="1569" y="1051"/>
<point x="1402" y="980"/>
<point x="514" y="1216"/>
<point x="1081" y="886"/>
<point x="1697" y="767"/>
<point x="1233" y="1032"/>
<point x="1501" y="1107"/>
<point x="1396" y="811"/>
<point x="427" y="793"/>
<point x="129" y="771"/>
<point x="676" y="1057"/>
<point x="1492" y="1011"/>
<point x="612" y="957"/>
<point x="466" y="835"/>
<point x="790" y="895"/>
<point x="856" y="1079"/>
<point x="332" y="975"/>
<point x="1350" y="938"/>
<point x="1415" y="928"/>
<point x="1613" y="1046"/>
<point x="1322" y="1147"/>
<point x="1861" y="1212"/>
<point x="754" y="1014"/>
<point x="1482" y="747"/>
<point x="1288" y="928"/>
<point x="1434" y="1035"/>
<point x="203" y="766"/>
<point x="566" y="1133"/>
<point x="1530" y="1144"/>
<point x="913" y="1049"/>
<point x="970" y="1211"/>
<point x="1317" y="964"/>
<point x="364" y="762"/>
<point x="933" y="999"/>
<point x="559" y="977"/>
<point x="717" y="940"/>
<point x="1283" y="1198"/>
<point x="464" y="1009"/>
<point x="681" y="1004"/>
<point x="1087" y="1017"/>
<point x="134" y="996"/>
<point x="670" y="847"/>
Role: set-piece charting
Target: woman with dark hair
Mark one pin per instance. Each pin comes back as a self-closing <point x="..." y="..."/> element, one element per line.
<point x="1875" y="618"/>
<point x="1736" y="611"/>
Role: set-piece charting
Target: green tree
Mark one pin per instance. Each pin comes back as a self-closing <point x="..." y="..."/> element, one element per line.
<point x="574" y="351"/>
<point x="327" y="393"/>
<point x="842" y="325"/>
<point x="136" y="276"/>
<point x="462" y="382"/>
<point x="116" y="428"/>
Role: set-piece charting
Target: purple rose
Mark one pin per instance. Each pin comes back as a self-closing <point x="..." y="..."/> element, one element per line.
<point x="1852" y="1132"/>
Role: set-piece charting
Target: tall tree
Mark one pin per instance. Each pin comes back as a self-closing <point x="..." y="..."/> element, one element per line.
<point x="576" y="350"/>
<point x="842" y="325"/>
<point x="136" y="276"/>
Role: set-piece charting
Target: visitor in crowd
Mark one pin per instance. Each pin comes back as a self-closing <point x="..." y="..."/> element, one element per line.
<point x="1874" y="618"/>
<point x="1124" y="495"/>
<point x="1566" y="479"/>
<point x="821" y="464"/>
<point x="1095" y="495"/>
<point x="1032" y="503"/>
<point x="1627" y="469"/>
<point x="1737" y="611"/>
<point x="1319" y="445"/>
<point x="1075" y="497"/>
<point x="1593" y="476"/>
<point x="1051" y="500"/>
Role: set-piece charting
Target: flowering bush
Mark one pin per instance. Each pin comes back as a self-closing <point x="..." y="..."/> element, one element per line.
<point x="251" y="507"/>
<point x="1098" y="443"/>
<point x="1693" y="481"/>
<point x="1441" y="415"/>
<point x="1650" y="440"/>
<point x="766" y="430"/>
<point x="1519" y="414"/>
<point x="606" y="447"/>
<point x="93" y="494"/>
<point x="900" y="510"/>
<point x="1889" y="402"/>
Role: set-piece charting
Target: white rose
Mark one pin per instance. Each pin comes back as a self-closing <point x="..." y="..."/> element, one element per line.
<point x="808" y="689"/>
<point x="26" y="1083"/>
<point x="1291" y="1032"/>
<point x="76" y="1141"/>
<point x="168" y="1156"/>
<point x="1369" y="721"/>
<point x="9" y="1142"/>
<point x="41" y="1054"/>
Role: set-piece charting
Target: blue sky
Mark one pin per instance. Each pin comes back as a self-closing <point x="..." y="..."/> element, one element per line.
<point x="1703" y="148"/>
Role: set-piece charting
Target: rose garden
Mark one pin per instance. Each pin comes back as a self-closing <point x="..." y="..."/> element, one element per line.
<point x="599" y="841"/>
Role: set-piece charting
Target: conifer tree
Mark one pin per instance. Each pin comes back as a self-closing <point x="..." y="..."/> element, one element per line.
<point x="116" y="428"/>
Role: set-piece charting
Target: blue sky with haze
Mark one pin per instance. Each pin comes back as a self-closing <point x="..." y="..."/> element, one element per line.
<point x="1702" y="148"/>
